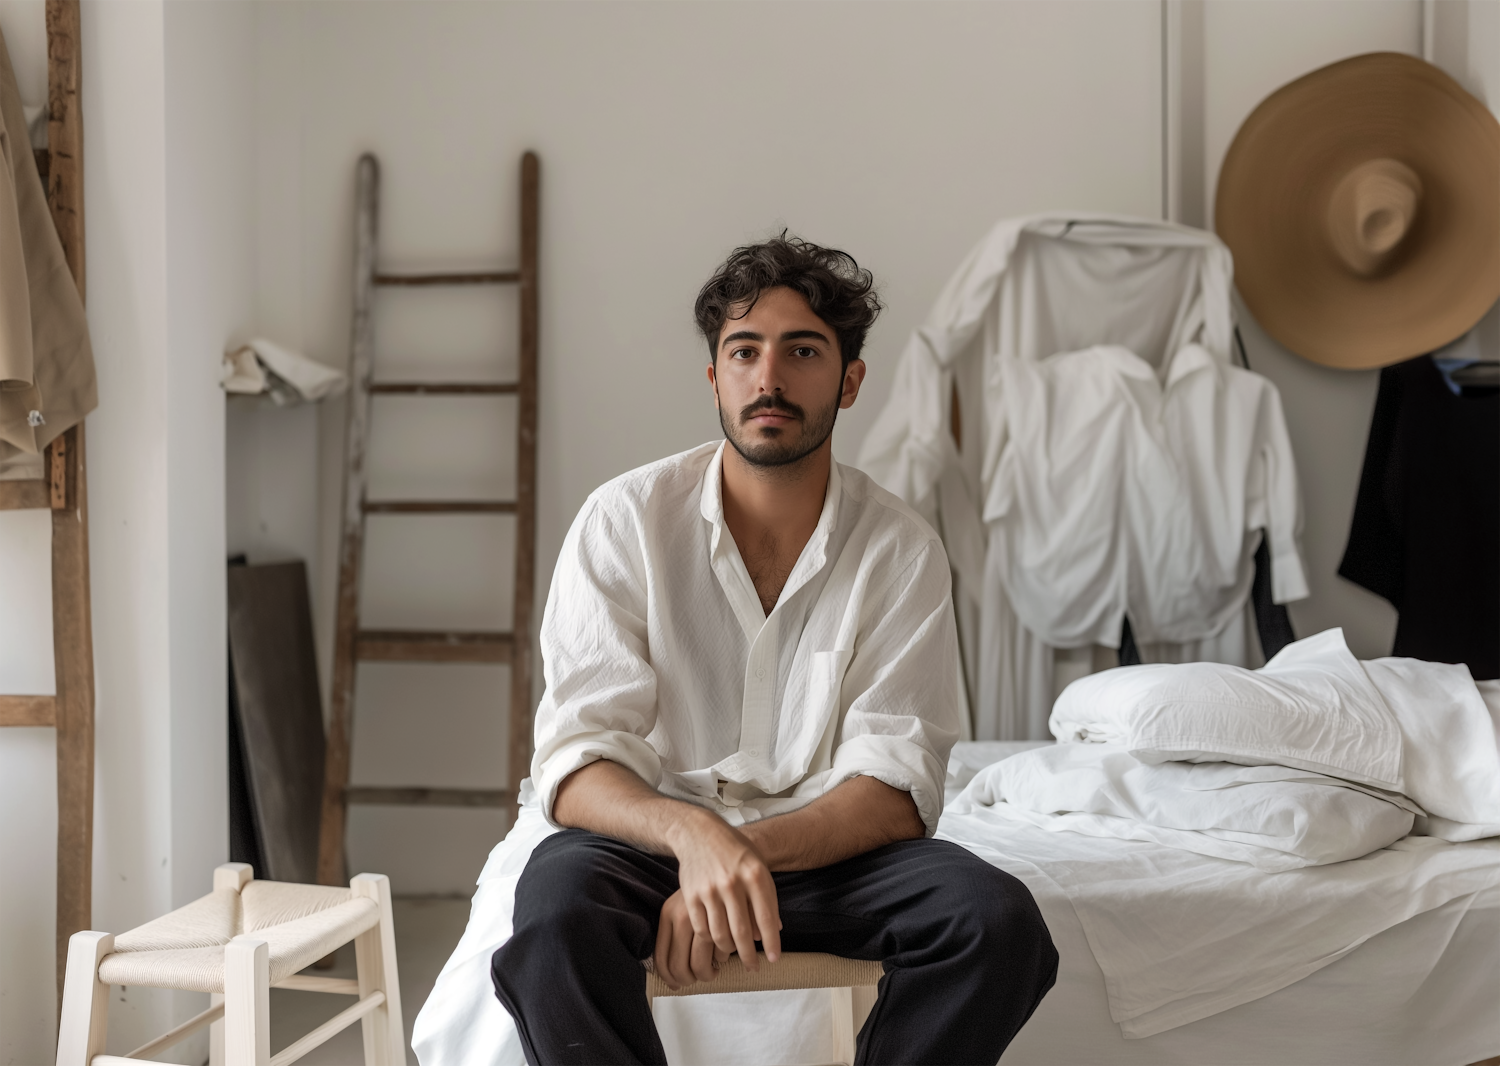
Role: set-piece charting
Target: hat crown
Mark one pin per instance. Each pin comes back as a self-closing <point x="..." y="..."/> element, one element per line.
<point x="1371" y="210"/>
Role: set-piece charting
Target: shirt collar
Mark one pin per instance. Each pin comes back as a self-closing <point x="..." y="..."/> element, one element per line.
<point x="814" y="555"/>
<point x="1189" y="360"/>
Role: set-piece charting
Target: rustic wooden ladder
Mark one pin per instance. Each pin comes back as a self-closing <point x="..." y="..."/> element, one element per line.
<point x="352" y="644"/>
<point x="64" y="491"/>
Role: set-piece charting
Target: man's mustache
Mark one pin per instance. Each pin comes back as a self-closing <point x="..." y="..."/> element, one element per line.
<point x="770" y="403"/>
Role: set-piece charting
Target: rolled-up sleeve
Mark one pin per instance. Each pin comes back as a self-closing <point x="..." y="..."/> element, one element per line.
<point x="600" y="701"/>
<point x="901" y="688"/>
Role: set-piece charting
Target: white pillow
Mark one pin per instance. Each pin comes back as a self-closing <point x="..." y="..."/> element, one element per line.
<point x="1271" y="817"/>
<point x="1451" y="753"/>
<point x="1312" y="707"/>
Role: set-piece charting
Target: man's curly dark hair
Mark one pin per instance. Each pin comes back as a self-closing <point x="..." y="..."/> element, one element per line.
<point x="837" y="290"/>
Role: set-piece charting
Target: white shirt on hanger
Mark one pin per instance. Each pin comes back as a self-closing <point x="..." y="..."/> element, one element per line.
<point x="1118" y="488"/>
<point x="658" y="655"/>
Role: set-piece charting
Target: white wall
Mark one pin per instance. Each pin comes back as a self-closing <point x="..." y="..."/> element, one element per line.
<point x="27" y="756"/>
<point x="668" y="133"/>
<point x="168" y="109"/>
<point x="1251" y="49"/>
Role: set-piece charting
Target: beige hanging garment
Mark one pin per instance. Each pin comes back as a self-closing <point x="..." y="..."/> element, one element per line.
<point x="46" y="364"/>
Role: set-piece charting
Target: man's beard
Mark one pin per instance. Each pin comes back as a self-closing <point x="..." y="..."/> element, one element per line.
<point x="782" y="449"/>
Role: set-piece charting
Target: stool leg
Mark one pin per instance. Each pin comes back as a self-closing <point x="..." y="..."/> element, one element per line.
<point x="843" y="1025"/>
<point x="375" y="960"/>
<point x="85" y="1005"/>
<point x="216" y="1034"/>
<point x="247" y="1002"/>
<point x="862" y="998"/>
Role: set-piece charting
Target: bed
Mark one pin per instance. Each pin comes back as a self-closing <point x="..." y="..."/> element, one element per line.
<point x="1167" y="956"/>
<point x="1425" y="990"/>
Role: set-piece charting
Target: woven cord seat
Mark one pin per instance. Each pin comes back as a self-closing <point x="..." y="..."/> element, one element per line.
<point x="236" y="943"/>
<point x="851" y="983"/>
<point x="185" y="949"/>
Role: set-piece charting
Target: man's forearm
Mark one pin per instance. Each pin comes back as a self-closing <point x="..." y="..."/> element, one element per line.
<point x="860" y="815"/>
<point x="607" y="798"/>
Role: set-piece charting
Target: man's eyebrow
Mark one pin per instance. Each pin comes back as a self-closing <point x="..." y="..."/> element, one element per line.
<point x="791" y="335"/>
<point x="741" y="335"/>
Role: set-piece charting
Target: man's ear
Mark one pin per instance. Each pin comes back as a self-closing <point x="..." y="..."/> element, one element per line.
<point x="854" y="376"/>
<point x="713" y="384"/>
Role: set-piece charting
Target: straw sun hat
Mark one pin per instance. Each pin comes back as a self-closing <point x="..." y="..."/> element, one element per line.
<point x="1362" y="204"/>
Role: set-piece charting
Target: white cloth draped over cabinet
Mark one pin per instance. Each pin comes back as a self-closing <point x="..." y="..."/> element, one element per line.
<point x="1115" y="461"/>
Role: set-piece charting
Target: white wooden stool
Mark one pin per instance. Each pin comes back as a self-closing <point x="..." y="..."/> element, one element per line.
<point x="851" y="982"/>
<point x="237" y="943"/>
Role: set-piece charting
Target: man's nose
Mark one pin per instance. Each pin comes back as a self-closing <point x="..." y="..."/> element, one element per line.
<point x="771" y="372"/>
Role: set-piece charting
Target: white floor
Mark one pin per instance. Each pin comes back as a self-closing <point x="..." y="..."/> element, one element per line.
<point x="426" y="932"/>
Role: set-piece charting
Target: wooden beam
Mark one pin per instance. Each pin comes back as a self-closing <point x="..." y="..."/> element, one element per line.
<point x="430" y="797"/>
<point x="351" y="532"/>
<point x="73" y="654"/>
<point x="433" y="646"/>
<point x="65" y="131"/>
<point x="520" y="660"/>
<point x="30" y="495"/>
<point x="72" y="626"/>
<point x="28" y="710"/>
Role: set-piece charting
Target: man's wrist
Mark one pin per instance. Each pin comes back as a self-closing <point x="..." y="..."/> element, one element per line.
<point x="687" y="826"/>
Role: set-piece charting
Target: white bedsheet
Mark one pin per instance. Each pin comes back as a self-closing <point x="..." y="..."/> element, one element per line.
<point x="1423" y="991"/>
<point x="1180" y="936"/>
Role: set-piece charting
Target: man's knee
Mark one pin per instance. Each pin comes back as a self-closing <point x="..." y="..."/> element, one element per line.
<point x="581" y="893"/>
<point x="992" y="913"/>
<point x="572" y="879"/>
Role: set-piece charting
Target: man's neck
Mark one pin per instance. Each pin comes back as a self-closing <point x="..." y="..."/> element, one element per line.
<point x="772" y="511"/>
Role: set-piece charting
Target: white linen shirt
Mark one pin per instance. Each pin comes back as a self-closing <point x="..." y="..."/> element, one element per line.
<point x="1115" y="489"/>
<point x="658" y="655"/>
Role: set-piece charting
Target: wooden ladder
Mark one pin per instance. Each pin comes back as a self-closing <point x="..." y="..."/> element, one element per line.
<point x="352" y="644"/>
<point x="64" y="491"/>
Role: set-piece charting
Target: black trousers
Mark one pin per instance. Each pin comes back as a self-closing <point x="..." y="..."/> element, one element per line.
<point x="967" y="955"/>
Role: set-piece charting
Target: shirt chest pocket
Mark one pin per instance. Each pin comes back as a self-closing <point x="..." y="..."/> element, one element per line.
<point x="817" y="727"/>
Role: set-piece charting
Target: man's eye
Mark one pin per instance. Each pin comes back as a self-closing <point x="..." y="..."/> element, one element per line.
<point x="740" y="353"/>
<point x="806" y="353"/>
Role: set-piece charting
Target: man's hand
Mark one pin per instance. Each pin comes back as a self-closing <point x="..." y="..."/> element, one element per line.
<point x="725" y="902"/>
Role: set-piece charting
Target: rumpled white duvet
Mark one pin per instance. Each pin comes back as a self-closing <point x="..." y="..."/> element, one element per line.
<point x="1272" y="817"/>
<point x="1419" y="735"/>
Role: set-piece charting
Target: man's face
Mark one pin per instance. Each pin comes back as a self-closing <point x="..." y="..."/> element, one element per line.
<point x="779" y="381"/>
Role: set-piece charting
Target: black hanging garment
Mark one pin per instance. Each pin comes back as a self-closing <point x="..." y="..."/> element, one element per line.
<point x="1426" y="530"/>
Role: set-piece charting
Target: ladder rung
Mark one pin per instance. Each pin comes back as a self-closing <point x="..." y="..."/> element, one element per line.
<point x="29" y="494"/>
<point x="440" y="506"/>
<point x="28" y="710"/>
<point x="429" y="797"/>
<point x="486" y="277"/>
<point x="443" y="388"/>
<point x="433" y="646"/>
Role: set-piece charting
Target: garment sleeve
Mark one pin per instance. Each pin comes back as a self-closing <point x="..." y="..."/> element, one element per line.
<point x="1283" y="503"/>
<point x="902" y="687"/>
<point x="1373" y="554"/>
<point x="600" y="701"/>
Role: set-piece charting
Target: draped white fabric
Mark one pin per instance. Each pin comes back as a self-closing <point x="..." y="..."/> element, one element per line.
<point x="1122" y="462"/>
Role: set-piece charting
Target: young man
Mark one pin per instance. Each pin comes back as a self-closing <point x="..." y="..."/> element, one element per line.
<point x="752" y="677"/>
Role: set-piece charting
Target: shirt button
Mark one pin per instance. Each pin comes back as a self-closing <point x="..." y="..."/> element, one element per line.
<point x="760" y="675"/>
<point x="753" y="752"/>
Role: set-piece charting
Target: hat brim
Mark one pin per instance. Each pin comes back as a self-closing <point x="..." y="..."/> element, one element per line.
<point x="1278" y="178"/>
